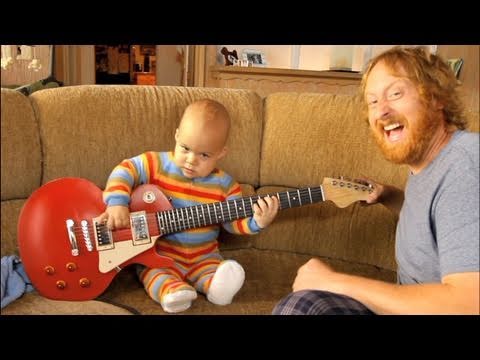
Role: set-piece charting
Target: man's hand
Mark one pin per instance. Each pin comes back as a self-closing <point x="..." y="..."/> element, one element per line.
<point x="117" y="217"/>
<point x="387" y="195"/>
<point x="314" y="275"/>
<point x="265" y="210"/>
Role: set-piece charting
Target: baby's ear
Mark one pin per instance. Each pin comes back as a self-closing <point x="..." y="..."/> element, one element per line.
<point x="223" y="152"/>
<point x="176" y="134"/>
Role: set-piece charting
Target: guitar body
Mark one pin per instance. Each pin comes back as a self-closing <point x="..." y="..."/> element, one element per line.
<point x="61" y="271"/>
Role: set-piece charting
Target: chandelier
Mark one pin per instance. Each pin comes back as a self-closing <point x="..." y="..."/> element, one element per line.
<point x="12" y="53"/>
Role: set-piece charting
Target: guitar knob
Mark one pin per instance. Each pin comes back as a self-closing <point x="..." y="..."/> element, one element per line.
<point x="49" y="270"/>
<point x="84" y="282"/>
<point x="61" y="284"/>
<point x="71" y="266"/>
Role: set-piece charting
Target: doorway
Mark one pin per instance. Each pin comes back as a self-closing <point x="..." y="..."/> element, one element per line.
<point x="125" y="64"/>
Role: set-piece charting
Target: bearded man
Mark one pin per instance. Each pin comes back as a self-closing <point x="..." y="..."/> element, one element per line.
<point x="415" y="115"/>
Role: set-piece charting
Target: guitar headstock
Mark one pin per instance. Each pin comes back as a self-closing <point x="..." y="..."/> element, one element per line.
<point x="344" y="192"/>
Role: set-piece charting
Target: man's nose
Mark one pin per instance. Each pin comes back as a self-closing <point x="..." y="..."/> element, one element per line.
<point x="383" y="109"/>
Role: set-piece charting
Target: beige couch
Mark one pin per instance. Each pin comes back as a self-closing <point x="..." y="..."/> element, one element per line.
<point x="285" y="141"/>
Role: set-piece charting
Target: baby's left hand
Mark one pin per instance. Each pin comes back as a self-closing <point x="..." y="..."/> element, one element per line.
<point x="265" y="210"/>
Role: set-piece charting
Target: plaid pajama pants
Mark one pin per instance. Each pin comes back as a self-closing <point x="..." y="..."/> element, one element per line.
<point x="315" y="302"/>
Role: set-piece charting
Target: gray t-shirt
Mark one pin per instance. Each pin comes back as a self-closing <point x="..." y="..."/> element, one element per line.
<point x="438" y="229"/>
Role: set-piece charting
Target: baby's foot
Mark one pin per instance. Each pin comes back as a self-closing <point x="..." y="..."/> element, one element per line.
<point x="226" y="282"/>
<point x="178" y="301"/>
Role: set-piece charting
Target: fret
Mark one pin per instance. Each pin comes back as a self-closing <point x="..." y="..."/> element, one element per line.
<point x="321" y="193"/>
<point x="299" y="197"/>
<point x="192" y="217"/>
<point x="183" y="218"/>
<point x="310" y="194"/>
<point x="203" y="213"/>
<point x="244" y="210"/>
<point x="288" y="198"/>
<point x="165" y="219"/>
<point x="174" y="223"/>
<point x="229" y="214"/>
<point x="221" y="210"/>
<point x="169" y="221"/>
<point x="198" y="216"/>
<point x="236" y="207"/>
<point x="159" y="221"/>
<point x="209" y="215"/>
<point x="279" y="201"/>
<point x="251" y="204"/>
<point x="215" y="211"/>
<point x="177" y="218"/>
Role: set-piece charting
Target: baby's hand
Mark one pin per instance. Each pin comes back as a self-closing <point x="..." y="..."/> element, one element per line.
<point x="117" y="217"/>
<point x="265" y="210"/>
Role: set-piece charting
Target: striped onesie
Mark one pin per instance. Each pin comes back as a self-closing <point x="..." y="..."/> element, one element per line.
<point x="195" y="251"/>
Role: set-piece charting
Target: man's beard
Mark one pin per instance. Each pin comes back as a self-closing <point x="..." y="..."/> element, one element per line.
<point x="412" y="148"/>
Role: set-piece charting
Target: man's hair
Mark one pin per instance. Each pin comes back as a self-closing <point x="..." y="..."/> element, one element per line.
<point x="431" y="74"/>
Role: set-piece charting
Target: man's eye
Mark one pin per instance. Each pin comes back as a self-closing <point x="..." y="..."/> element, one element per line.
<point x="371" y="102"/>
<point x="394" y="95"/>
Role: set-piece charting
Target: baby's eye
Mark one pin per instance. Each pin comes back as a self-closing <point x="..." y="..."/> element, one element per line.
<point x="184" y="148"/>
<point x="205" y="156"/>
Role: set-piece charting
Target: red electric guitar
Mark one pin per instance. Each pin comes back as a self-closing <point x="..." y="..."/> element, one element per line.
<point x="69" y="255"/>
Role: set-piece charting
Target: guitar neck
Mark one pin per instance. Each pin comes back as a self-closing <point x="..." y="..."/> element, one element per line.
<point x="180" y="219"/>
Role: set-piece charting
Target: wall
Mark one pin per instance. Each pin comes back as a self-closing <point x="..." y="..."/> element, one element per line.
<point x="312" y="57"/>
<point x="469" y="73"/>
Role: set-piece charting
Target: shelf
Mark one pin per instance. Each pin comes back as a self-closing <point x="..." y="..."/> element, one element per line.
<point x="264" y="80"/>
<point x="284" y="72"/>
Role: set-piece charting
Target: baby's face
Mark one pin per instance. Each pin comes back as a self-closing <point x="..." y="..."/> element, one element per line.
<point x="197" y="152"/>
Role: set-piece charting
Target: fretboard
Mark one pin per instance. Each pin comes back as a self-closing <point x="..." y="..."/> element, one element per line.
<point x="180" y="219"/>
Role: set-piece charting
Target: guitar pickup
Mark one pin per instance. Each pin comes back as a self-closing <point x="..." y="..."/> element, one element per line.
<point x="103" y="236"/>
<point x="139" y="228"/>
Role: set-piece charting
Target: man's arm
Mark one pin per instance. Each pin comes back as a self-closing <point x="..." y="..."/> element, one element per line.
<point x="456" y="294"/>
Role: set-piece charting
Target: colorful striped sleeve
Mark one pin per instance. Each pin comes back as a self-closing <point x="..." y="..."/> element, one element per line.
<point x="124" y="177"/>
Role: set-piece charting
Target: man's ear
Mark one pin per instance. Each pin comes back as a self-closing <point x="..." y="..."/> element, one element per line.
<point x="437" y="105"/>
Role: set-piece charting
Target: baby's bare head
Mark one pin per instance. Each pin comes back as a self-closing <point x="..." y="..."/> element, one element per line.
<point x="207" y="118"/>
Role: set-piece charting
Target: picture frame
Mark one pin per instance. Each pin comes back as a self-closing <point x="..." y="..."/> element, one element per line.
<point x="455" y="65"/>
<point x="255" y="57"/>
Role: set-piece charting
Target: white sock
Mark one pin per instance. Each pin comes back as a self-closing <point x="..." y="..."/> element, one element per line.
<point x="226" y="282"/>
<point x="178" y="301"/>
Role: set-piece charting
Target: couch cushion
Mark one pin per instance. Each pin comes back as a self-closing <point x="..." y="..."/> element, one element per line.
<point x="21" y="152"/>
<point x="87" y="130"/>
<point x="34" y="304"/>
<point x="10" y="212"/>
<point x="269" y="276"/>
<point x="311" y="136"/>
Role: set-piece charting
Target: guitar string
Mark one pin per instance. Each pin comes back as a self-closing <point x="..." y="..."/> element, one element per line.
<point x="192" y="221"/>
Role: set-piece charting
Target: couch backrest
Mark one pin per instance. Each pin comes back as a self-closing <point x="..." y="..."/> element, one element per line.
<point x="309" y="136"/>
<point x="21" y="152"/>
<point x="87" y="130"/>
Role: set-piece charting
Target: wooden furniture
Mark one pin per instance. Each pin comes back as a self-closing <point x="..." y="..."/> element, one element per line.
<point x="269" y="80"/>
<point x="143" y="78"/>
